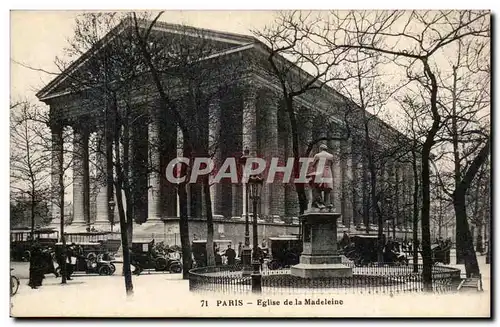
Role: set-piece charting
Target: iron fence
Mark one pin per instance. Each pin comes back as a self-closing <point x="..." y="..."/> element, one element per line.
<point x="384" y="279"/>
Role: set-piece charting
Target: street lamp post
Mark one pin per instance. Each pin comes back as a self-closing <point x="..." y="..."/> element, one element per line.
<point x="394" y="228"/>
<point x="255" y="186"/>
<point x="246" y="253"/>
<point x="111" y="205"/>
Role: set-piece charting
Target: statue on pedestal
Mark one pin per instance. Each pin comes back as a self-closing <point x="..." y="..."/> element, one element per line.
<point x="321" y="179"/>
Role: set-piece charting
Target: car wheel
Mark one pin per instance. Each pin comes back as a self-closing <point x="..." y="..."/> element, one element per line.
<point x="14" y="285"/>
<point x="160" y="264"/>
<point x="113" y="268"/>
<point x="175" y="268"/>
<point x="273" y="265"/>
<point x="105" y="270"/>
<point x="91" y="256"/>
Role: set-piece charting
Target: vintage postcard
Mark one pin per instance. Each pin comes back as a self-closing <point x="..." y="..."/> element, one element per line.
<point x="286" y="164"/>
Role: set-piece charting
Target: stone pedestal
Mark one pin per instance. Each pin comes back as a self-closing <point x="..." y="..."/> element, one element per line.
<point x="319" y="256"/>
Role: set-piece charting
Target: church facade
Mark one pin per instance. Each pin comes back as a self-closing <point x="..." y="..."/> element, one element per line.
<point x="247" y="113"/>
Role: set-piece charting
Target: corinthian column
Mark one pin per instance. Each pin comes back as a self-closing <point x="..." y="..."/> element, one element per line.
<point x="346" y="177"/>
<point x="272" y="194"/>
<point x="154" y="191"/>
<point x="80" y="176"/>
<point x="337" y="176"/>
<point x="249" y="130"/>
<point x="214" y="142"/>
<point x="57" y="143"/>
<point x="102" y="206"/>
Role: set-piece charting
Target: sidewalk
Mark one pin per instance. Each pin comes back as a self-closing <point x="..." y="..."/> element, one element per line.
<point x="99" y="296"/>
<point x="167" y="295"/>
<point x="163" y="295"/>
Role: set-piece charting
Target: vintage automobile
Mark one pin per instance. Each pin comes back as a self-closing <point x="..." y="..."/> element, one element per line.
<point x="394" y="254"/>
<point x="146" y="257"/>
<point x="110" y="241"/>
<point x="91" y="258"/>
<point x="362" y="250"/>
<point x="20" y="241"/>
<point x="284" y="251"/>
<point x="440" y="253"/>
<point x="199" y="250"/>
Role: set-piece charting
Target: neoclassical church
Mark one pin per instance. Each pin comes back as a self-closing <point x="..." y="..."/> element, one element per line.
<point x="232" y="102"/>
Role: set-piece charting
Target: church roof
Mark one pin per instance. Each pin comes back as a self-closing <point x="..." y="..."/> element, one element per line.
<point x="239" y="42"/>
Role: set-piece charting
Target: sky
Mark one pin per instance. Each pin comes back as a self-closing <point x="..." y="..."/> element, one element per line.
<point x="37" y="37"/>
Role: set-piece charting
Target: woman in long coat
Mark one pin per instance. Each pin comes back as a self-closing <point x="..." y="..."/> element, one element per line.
<point x="37" y="267"/>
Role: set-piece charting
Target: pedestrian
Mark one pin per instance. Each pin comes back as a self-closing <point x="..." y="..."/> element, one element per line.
<point x="218" y="259"/>
<point x="231" y="255"/>
<point x="71" y="260"/>
<point x="260" y="256"/>
<point x="134" y="261"/>
<point x="345" y="240"/>
<point x="448" y="251"/>
<point x="37" y="267"/>
<point x="49" y="258"/>
<point x="240" y="248"/>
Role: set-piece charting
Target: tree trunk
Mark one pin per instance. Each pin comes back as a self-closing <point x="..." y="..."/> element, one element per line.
<point x="184" y="231"/>
<point x="477" y="214"/>
<point x="126" y="173"/>
<point x="373" y="185"/>
<point x="465" y="237"/>
<point x="60" y="160"/>
<point x="32" y="212"/>
<point x="426" y="201"/>
<point x="299" y="187"/>
<point x="425" y="220"/>
<point x="181" y="190"/>
<point x="460" y="246"/>
<point x="479" y="238"/>
<point x="380" y="222"/>
<point x="127" y="273"/>
<point x="415" y="222"/>
<point x="210" y="222"/>
<point x="120" y="178"/>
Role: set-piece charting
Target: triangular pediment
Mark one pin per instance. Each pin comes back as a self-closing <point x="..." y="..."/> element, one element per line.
<point x="186" y="40"/>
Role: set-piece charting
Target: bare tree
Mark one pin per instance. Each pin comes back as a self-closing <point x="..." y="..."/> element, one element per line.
<point x="478" y="210"/>
<point x="30" y="176"/>
<point x="291" y="47"/>
<point x="413" y="40"/>
<point x="190" y="73"/>
<point x="111" y="71"/>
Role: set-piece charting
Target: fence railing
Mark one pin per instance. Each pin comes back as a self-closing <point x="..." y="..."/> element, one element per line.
<point x="389" y="279"/>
